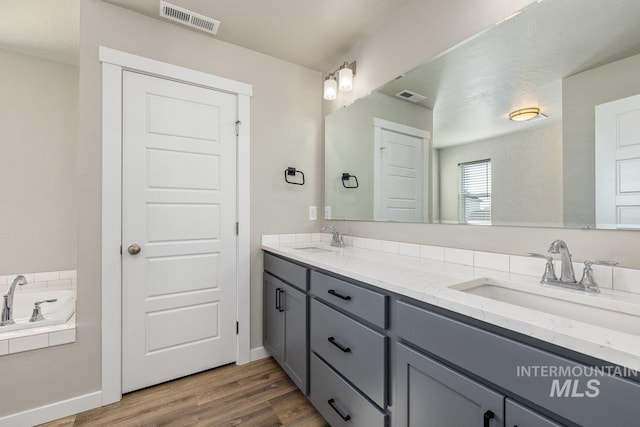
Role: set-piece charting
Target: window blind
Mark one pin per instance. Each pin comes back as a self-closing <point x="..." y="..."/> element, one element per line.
<point x="475" y="192"/>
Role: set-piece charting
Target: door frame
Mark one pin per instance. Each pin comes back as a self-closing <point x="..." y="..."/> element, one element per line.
<point x="114" y="62"/>
<point x="380" y="124"/>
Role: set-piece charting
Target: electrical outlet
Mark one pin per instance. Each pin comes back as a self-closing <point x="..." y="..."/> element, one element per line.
<point x="327" y="212"/>
<point x="313" y="213"/>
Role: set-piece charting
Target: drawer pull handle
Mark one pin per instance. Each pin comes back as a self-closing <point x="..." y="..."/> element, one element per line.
<point x="344" y="349"/>
<point x="335" y="294"/>
<point x="488" y="416"/>
<point x="279" y="300"/>
<point x="344" y="417"/>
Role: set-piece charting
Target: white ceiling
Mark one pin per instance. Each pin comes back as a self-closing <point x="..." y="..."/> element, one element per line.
<point x="520" y="63"/>
<point x="313" y="33"/>
<point x="49" y="29"/>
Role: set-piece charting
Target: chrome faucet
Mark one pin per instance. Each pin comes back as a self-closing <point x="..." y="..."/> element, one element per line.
<point x="7" y="304"/>
<point x="566" y="268"/>
<point x="567" y="275"/>
<point x="338" y="239"/>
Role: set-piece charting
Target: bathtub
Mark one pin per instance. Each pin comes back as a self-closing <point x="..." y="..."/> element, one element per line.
<point x="54" y="313"/>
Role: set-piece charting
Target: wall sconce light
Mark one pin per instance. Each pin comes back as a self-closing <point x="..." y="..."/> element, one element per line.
<point x="345" y="74"/>
<point x="330" y="88"/>
<point x="345" y="77"/>
<point x="526" y="114"/>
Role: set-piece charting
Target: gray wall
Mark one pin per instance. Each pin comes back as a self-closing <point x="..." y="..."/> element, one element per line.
<point x="349" y="148"/>
<point x="286" y="128"/>
<point x="580" y="94"/>
<point x="526" y="169"/>
<point x="39" y="122"/>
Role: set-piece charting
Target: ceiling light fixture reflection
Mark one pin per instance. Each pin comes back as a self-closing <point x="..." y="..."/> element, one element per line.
<point x="525" y="114"/>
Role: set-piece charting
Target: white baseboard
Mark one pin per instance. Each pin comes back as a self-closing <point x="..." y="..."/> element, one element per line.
<point x="259" y="353"/>
<point x="53" y="411"/>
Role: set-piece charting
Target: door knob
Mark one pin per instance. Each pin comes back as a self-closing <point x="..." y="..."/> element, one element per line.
<point x="134" y="249"/>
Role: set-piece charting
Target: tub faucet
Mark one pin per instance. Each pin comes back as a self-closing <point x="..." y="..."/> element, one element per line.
<point x="7" y="303"/>
<point x="337" y="239"/>
<point x="566" y="269"/>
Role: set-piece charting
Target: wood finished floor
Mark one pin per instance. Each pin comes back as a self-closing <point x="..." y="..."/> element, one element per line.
<point x="258" y="394"/>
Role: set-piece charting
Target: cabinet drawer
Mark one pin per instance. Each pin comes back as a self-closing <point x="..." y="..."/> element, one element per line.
<point x="285" y="270"/>
<point x="505" y="362"/>
<point x="338" y="402"/>
<point x="517" y="415"/>
<point x="351" y="348"/>
<point x="361" y="302"/>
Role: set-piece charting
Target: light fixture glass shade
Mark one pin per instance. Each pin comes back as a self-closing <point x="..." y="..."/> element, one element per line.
<point x="330" y="88"/>
<point x="524" y="114"/>
<point x="345" y="79"/>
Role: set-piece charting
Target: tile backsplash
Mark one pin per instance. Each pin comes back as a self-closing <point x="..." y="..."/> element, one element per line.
<point x="621" y="279"/>
<point x="65" y="279"/>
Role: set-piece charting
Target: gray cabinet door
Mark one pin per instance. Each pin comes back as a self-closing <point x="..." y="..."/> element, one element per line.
<point x="517" y="415"/>
<point x="295" y="350"/>
<point x="273" y="318"/>
<point x="428" y="394"/>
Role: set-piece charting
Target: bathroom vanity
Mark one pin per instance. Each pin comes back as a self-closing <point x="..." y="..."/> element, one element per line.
<point x="376" y="339"/>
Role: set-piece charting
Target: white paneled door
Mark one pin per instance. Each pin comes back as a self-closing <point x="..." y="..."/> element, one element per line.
<point x="400" y="169"/>
<point x="618" y="163"/>
<point x="178" y="230"/>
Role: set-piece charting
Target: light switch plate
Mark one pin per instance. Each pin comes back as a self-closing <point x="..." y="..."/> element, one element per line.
<point x="327" y="212"/>
<point x="313" y="213"/>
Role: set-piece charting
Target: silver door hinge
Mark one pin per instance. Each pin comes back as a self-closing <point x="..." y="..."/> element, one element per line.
<point x="237" y="228"/>
<point x="238" y="123"/>
<point x="237" y="328"/>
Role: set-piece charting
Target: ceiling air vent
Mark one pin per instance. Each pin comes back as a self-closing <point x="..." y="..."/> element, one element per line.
<point x="410" y="96"/>
<point x="188" y="18"/>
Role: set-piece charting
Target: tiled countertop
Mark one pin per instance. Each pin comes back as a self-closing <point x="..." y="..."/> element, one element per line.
<point x="430" y="281"/>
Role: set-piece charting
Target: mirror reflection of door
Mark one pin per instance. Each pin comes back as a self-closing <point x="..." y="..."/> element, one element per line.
<point x="618" y="163"/>
<point x="401" y="166"/>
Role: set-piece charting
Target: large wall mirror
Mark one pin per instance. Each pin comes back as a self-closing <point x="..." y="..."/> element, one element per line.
<point x="437" y="144"/>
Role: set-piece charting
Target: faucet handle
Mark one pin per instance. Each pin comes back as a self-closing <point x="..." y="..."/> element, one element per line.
<point x="549" y="270"/>
<point x="534" y="255"/>
<point x="588" y="280"/>
<point x="37" y="316"/>
<point x="607" y="263"/>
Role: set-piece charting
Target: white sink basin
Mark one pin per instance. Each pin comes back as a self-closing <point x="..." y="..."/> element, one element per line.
<point x="583" y="308"/>
<point x="314" y="249"/>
